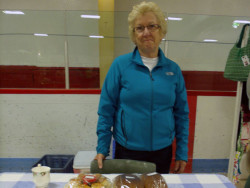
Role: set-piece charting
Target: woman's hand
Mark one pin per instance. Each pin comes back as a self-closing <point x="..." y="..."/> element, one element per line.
<point x="100" y="157"/>
<point x="179" y="167"/>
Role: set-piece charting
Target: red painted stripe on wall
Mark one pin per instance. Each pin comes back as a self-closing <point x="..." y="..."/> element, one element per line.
<point x="208" y="81"/>
<point x="88" y="78"/>
<point x="50" y="91"/>
<point x="98" y="91"/>
<point x="48" y="77"/>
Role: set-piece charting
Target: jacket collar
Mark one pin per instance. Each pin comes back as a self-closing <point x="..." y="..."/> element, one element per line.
<point x="136" y="57"/>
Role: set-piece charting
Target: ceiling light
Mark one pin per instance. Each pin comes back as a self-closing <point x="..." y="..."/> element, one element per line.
<point x="90" y="16"/>
<point x="96" y="36"/>
<point x="13" y="12"/>
<point x="174" y="18"/>
<point x="40" y="34"/>
<point x="210" y="40"/>
<point x="242" y="21"/>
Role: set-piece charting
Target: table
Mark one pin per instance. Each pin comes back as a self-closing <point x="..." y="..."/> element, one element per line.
<point x="58" y="180"/>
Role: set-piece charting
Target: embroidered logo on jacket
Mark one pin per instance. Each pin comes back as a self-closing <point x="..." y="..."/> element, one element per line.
<point x="169" y="73"/>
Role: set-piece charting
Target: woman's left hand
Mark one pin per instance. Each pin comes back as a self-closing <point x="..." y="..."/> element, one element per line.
<point x="179" y="167"/>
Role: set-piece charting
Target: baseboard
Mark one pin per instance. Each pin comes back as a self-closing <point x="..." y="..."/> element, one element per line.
<point x="210" y="165"/>
<point x="17" y="164"/>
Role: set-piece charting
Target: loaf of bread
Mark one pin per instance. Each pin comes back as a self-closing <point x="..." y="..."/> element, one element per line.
<point x="153" y="180"/>
<point x="127" y="180"/>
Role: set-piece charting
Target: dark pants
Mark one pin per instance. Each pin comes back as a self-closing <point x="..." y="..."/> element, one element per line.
<point x="162" y="158"/>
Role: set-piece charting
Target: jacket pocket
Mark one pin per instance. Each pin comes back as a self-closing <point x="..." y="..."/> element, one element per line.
<point x="172" y="122"/>
<point x="123" y="127"/>
<point x="166" y="123"/>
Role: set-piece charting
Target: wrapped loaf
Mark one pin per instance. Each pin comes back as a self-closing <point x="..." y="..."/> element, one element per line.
<point x="153" y="180"/>
<point x="127" y="180"/>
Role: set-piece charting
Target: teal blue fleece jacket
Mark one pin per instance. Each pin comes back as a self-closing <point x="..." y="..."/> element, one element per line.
<point x="143" y="110"/>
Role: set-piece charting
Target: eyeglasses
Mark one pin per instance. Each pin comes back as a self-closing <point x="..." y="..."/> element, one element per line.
<point x="151" y="28"/>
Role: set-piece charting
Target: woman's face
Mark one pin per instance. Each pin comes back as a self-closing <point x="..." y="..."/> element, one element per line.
<point x="147" y="41"/>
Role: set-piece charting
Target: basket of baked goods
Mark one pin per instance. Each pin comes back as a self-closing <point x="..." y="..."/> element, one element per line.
<point x="89" y="181"/>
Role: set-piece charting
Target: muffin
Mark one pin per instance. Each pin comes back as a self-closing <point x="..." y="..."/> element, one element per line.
<point x="89" y="181"/>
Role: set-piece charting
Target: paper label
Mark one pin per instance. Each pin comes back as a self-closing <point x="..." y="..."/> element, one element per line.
<point x="245" y="60"/>
<point x="151" y="174"/>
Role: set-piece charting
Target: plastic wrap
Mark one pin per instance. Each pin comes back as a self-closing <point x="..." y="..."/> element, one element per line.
<point x="89" y="181"/>
<point x="127" y="181"/>
<point x="153" y="180"/>
<point x="147" y="180"/>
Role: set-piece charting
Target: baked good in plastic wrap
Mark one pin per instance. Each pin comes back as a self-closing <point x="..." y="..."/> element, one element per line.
<point x="153" y="180"/>
<point x="89" y="181"/>
<point x="127" y="181"/>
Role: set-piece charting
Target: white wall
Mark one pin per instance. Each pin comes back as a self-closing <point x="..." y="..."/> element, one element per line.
<point x="34" y="125"/>
<point x="213" y="127"/>
<point x="50" y="4"/>
<point x="211" y="7"/>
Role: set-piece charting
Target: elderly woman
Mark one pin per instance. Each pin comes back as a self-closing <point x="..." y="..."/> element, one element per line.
<point x="143" y="103"/>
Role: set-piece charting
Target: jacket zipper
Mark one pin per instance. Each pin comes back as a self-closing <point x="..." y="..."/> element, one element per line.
<point x="151" y="118"/>
<point x="123" y="129"/>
